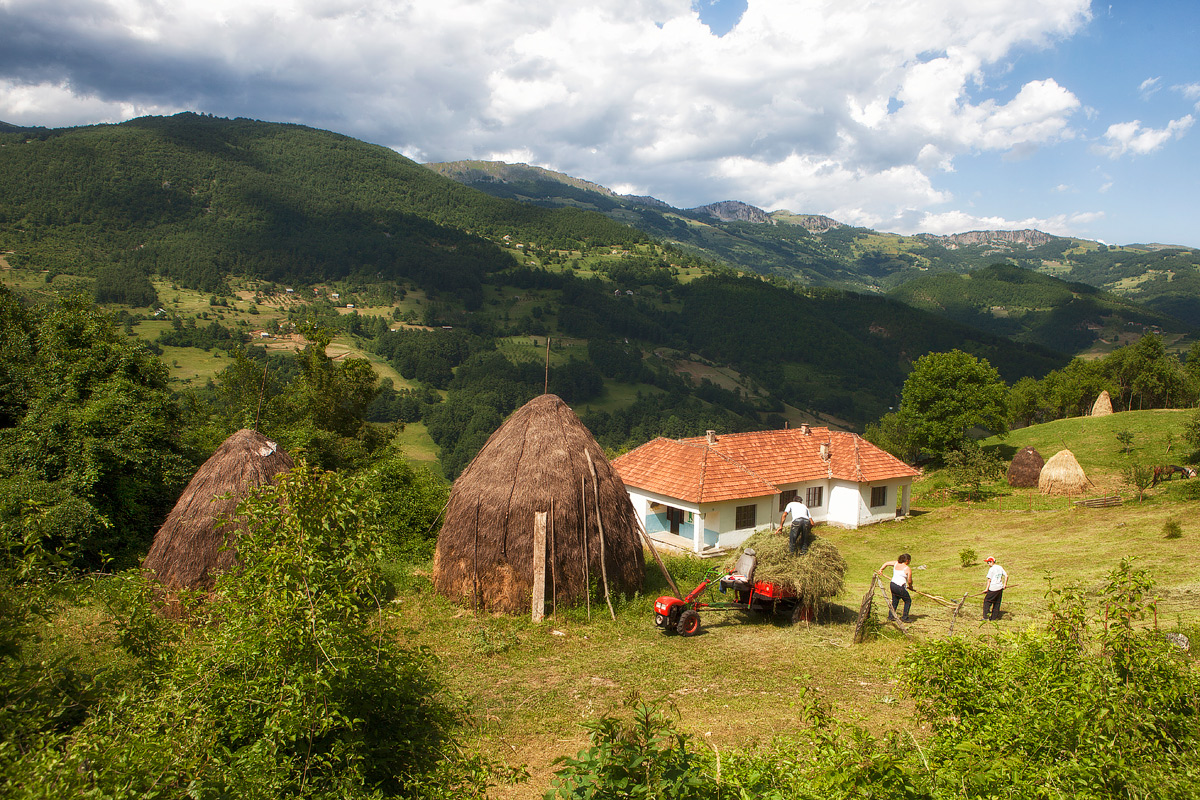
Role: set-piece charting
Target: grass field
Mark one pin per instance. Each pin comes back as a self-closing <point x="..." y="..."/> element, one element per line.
<point x="740" y="681"/>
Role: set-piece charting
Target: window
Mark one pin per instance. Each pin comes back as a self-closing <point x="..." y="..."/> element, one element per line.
<point x="878" y="496"/>
<point x="814" y="496"/>
<point x="785" y="498"/>
<point x="746" y="517"/>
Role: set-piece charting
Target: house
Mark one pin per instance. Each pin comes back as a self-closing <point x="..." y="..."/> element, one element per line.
<point x="717" y="490"/>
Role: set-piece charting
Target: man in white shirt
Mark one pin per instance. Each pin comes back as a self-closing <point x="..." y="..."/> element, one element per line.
<point x="993" y="588"/>
<point x="801" y="525"/>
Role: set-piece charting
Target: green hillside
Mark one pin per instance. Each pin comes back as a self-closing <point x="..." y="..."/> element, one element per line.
<point x="1030" y="307"/>
<point x="816" y="251"/>
<point x="210" y="205"/>
<point x="194" y="199"/>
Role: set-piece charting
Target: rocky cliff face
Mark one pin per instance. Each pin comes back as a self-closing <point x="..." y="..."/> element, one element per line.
<point x="1027" y="237"/>
<point x="734" y="211"/>
<point x="813" y="223"/>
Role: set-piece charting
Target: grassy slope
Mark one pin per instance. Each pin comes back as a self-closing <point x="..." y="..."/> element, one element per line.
<point x="740" y="682"/>
<point x="743" y="680"/>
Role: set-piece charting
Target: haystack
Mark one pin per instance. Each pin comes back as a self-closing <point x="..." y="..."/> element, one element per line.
<point x="187" y="550"/>
<point x="817" y="576"/>
<point x="1063" y="475"/>
<point x="1103" y="405"/>
<point x="1025" y="468"/>
<point x="537" y="461"/>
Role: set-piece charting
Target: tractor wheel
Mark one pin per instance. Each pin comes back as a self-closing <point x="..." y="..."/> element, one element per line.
<point x="689" y="623"/>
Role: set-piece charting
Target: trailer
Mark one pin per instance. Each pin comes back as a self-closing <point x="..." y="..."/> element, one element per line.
<point x="745" y="593"/>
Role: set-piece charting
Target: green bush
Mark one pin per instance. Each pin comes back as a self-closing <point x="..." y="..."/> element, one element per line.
<point x="1172" y="529"/>
<point x="967" y="556"/>
<point x="291" y="684"/>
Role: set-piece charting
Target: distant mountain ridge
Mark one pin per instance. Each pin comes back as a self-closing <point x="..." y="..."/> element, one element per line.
<point x="1028" y="237"/>
<point x="816" y="250"/>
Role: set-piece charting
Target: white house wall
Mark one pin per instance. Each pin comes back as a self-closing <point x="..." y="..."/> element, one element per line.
<point x="850" y="503"/>
<point x="846" y="504"/>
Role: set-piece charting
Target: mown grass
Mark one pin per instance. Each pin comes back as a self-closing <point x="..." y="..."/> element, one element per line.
<point x="739" y="682"/>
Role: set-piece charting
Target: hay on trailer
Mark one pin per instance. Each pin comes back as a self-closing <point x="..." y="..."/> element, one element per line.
<point x="536" y="461"/>
<point x="817" y="576"/>
<point x="189" y="549"/>
<point x="1103" y="405"/>
<point x="1026" y="468"/>
<point x="1063" y="475"/>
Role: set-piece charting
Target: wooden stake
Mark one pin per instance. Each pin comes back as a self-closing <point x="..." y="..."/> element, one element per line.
<point x="553" y="567"/>
<point x="539" y="566"/>
<point x="587" y="579"/>
<point x="600" y="525"/>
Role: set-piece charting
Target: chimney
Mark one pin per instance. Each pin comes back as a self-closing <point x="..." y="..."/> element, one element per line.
<point x="824" y="451"/>
<point x="804" y="429"/>
<point x="711" y="436"/>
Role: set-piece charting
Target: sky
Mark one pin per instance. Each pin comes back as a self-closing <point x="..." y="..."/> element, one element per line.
<point x="1074" y="117"/>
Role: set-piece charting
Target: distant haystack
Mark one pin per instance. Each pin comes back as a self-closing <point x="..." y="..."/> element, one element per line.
<point x="1063" y="475"/>
<point x="1103" y="405"/>
<point x="537" y="461"/>
<point x="1025" y="468"/>
<point x="187" y="550"/>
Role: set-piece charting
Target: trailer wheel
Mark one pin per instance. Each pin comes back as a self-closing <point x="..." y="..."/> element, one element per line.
<point x="689" y="623"/>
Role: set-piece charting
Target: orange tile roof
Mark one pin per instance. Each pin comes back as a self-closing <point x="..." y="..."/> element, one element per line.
<point x="738" y="465"/>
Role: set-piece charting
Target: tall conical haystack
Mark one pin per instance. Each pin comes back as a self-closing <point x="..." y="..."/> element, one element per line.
<point x="187" y="550"/>
<point x="1026" y="468"/>
<point x="536" y="461"/>
<point x="1063" y="475"/>
<point x="1103" y="405"/>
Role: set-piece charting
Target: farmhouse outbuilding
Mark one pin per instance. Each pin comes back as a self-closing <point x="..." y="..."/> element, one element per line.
<point x="717" y="490"/>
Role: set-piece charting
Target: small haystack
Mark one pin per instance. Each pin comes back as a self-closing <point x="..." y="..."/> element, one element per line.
<point x="186" y="553"/>
<point x="1103" y="405"/>
<point x="537" y="461"/>
<point x="1026" y="468"/>
<point x="1063" y="475"/>
<point x="817" y="576"/>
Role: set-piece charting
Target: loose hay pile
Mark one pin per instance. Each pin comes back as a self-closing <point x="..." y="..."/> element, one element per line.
<point x="1025" y="469"/>
<point x="817" y="576"/>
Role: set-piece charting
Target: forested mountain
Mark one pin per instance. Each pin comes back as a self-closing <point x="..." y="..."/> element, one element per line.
<point x="1027" y="306"/>
<point x="198" y="201"/>
<point x="816" y="250"/>
<point x="195" y="199"/>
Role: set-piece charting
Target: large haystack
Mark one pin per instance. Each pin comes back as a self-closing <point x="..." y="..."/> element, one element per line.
<point x="187" y="550"/>
<point x="1063" y="475"/>
<point x="817" y="576"/>
<point x="536" y="461"/>
<point x="1026" y="468"/>
<point x="1103" y="405"/>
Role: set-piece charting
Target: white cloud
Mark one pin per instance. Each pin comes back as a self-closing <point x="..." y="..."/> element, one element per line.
<point x="1191" y="91"/>
<point x="838" y="106"/>
<point x="948" y="222"/>
<point x="1149" y="87"/>
<point x="1132" y="137"/>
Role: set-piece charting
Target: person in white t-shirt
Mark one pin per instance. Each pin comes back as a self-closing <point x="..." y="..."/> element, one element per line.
<point x="801" y="525"/>
<point x="993" y="588"/>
